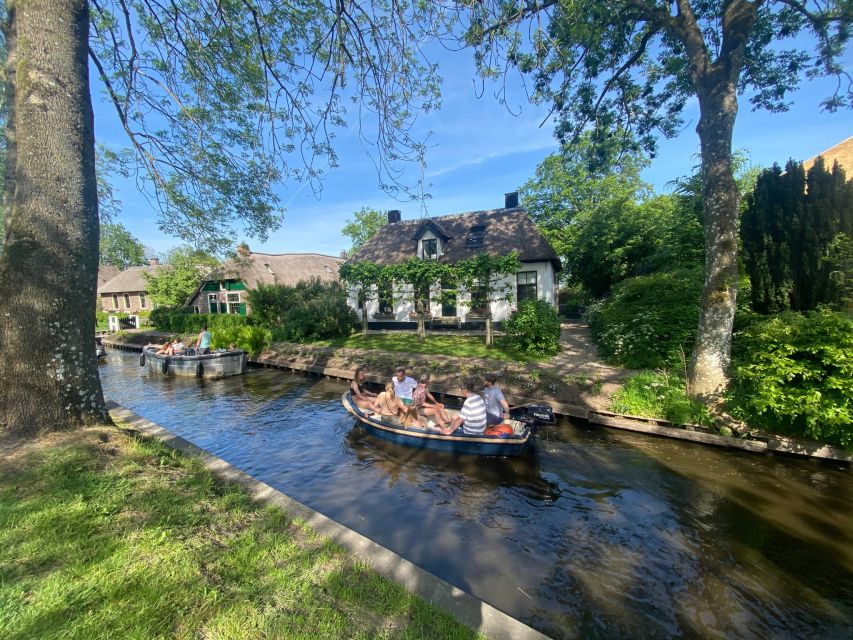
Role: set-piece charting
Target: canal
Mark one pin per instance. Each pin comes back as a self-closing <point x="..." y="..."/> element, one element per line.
<point x="601" y="534"/>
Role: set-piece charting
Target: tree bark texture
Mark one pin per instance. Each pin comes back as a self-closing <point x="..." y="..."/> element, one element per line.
<point x="48" y="270"/>
<point x="709" y="364"/>
<point x="364" y="317"/>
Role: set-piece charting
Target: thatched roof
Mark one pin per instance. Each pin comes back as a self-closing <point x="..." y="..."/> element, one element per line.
<point x="502" y="231"/>
<point x="106" y="272"/>
<point x="282" y="268"/>
<point x="841" y="153"/>
<point x="130" y="280"/>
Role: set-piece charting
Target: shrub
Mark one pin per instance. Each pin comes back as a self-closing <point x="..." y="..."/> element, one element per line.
<point x="252" y="339"/>
<point x="649" y="321"/>
<point x="534" y="328"/>
<point x="183" y="320"/>
<point x="793" y="374"/>
<point x="658" y="394"/>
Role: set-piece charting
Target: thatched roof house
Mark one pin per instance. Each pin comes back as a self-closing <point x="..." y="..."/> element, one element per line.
<point x="128" y="291"/>
<point x="452" y="238"/>
<point x="842" y="153"/>
<point x="224" y="290"/>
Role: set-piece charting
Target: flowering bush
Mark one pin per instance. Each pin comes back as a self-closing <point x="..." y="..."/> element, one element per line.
<point x="534" y="328"/>
<point x="649" y="321"/>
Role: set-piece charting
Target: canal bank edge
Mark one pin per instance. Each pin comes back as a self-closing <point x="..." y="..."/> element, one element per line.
<point x="765" y="443"/>
<point x="477" y="615"/>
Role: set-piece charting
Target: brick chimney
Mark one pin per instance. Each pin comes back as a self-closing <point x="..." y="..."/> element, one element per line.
<point x="393" y="216"/>
<point x="511" y="200"/>
<point x="243" y="249"/>
<point x="154" y="262"/>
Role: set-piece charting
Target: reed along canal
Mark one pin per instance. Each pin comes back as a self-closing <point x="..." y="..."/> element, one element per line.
<point x="600" y="534"/>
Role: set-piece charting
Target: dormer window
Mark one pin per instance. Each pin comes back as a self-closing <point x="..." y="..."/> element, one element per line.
<point x="430" y="249"/>
<point x="475" y="236"/>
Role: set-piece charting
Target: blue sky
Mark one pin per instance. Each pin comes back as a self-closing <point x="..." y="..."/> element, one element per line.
<point x="479" y="152"/>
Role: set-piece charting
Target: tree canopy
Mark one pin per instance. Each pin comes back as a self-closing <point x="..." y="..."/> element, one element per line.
<point x="179" y="277"/>
<point x="119" y="247"/>
<point x="364" y="225"/>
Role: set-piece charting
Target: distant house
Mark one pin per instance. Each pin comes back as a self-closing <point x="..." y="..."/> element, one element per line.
<point x="127" y="292"/>
<point x="225" y="289"/>
<point x="452" y="238"/>
<point x="842" y="153"/>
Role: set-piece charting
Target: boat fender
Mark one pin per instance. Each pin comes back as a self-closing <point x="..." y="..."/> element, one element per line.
<point x="164" y="368"/>
<point x="142" y="359"/>
<point x="199" y="369"/>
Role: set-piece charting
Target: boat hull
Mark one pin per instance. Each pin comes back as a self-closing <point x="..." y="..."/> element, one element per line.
<point x="211" y="365"/>
<point x="426" y="439"/>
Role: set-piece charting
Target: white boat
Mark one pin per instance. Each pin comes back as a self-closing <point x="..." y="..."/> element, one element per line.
<point x="217" y="364"/>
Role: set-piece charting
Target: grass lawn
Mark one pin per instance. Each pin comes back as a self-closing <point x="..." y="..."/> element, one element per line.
<point x="106" y="535"/>
<point x="440" y="345"/>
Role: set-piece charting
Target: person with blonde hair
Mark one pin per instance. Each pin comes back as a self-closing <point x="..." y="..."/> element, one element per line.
<point x="413" y="419"/>
<point x="388" y="405"/>
<point x="427" y="404"/>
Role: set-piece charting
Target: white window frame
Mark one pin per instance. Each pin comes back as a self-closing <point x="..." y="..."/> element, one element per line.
<point x="142" y="301"/>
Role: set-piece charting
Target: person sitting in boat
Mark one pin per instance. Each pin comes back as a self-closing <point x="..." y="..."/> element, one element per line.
<point x="404" y="385"/>
<point x="497" y="408"/>
<point x="412" y="419"/>
<point x="178" y="347"/>
<point x="472" y="418"/>
<point x="202" y="343"/>
<point x="388" y="405"/>
<point x="363" y="398"/>
<point x="427" y="404"/>
<point x="232" y="346"/>
<point x="166" y="349"/>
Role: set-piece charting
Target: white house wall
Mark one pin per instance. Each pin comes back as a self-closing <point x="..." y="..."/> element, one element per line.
<point x="403" y="305"/>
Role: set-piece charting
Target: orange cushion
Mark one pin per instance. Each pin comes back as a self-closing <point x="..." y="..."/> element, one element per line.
<point x="499" y="429"/>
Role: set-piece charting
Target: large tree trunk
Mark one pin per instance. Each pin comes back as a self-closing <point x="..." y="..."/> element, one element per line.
<point x="364" y="317"/>
<point x="48" y="270"/>
<point x="489" y="330"/>
<point x="709" y="364"/>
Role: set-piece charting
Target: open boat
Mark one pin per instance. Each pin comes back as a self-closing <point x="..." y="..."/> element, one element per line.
<point x="217" y="364"/>
<point x="505" y="445"/>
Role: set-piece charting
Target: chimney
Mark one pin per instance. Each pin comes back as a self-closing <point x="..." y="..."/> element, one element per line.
<point x="243" y="249"/>
<point x="154" y="262"/>
<point x="393" y="216"/>
<point x="344" y="255"/>
<point x="511" y="200"/>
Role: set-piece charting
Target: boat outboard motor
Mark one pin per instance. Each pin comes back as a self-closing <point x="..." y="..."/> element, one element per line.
<point x="541" y="413"/>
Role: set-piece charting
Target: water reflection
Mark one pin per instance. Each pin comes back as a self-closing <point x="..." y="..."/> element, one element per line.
<point x="601" y="534"/>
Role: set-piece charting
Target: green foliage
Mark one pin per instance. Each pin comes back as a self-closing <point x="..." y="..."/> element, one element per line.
<point x="183" y="320"/>
<point x="533" y="328"/>
<point x="794" y="232"/>
<point x="218" y="119"/>
<point x="649" y="321"/>
<point x="366" y="224"/>
<point x="484" y="276"/>
<point x="310" y="310"/>
<point x="177" y="280"/>
<point x="659" y="394"/>
<point x="249" y="338"/>
<point x="793" y="373"/>
<point x="119" y="248"/>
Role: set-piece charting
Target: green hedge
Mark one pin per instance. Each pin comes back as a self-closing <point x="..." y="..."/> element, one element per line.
<point x="793" y="374"/>
<point x="649" y="321"/>
<point x="182" y="320"/>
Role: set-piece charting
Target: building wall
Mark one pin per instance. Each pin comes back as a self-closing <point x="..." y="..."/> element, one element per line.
<point x="201" y="302"/>
<point x="403" y="306"/>
<point x="135" y="302"/>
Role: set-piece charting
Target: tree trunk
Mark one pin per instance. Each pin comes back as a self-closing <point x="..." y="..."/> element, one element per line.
<point x="421" y="328"/>
<point x="489" y="335"/>
<point x="709" y="365"/>
<point x="48" y="270"/>
<point x="364" y="317"/>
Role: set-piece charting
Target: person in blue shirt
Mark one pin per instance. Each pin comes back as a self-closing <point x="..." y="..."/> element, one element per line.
<point x="202" y="343"/>
<point x="497" y="408"/>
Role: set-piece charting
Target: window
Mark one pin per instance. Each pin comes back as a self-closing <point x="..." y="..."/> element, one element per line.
<point x="233" y="300"/>
<point x="386" y="298"/>
<point x="479" y="301"/>
<point x="115" y="302"/>
<point x="233" y="297"/>
<point x="211" y="303"/>
<point x="430" y="248"/>
<point x="475" y="236"/>
<point x="525" y="285"/>
<point x="234" y="307"/>
<point x="196" y="309"/>
<point x="126" y="301"/>
<point x="422" y="300"/>
<point x="142" y="301"/>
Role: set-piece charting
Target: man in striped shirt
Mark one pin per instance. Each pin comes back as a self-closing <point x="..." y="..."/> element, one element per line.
<point x="472" y="417"/>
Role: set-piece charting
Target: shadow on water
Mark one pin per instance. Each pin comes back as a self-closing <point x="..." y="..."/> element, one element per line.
<point x="601" y="534"/>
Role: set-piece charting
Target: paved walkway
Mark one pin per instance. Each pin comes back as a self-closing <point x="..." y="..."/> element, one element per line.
<point x="579" y="355"/>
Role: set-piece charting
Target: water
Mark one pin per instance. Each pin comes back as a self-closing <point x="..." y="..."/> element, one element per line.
<point x="601" y="534"/>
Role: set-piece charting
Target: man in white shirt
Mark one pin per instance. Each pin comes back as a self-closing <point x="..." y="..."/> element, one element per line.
<point x="472" y="417"/>
<point x="404" y="386"/>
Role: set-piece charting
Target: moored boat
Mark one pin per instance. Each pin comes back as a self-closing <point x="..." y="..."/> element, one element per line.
<point x="514" y="444"/>
<point x="217" y="364"/>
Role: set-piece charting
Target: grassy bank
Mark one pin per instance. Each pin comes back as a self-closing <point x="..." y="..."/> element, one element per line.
<point x="439" y="345"/>
<point x="105" y="535"/>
